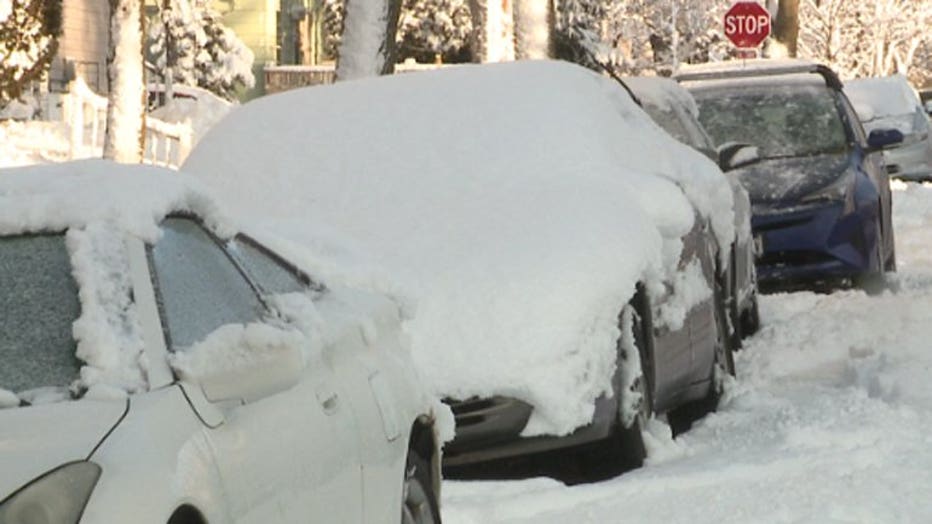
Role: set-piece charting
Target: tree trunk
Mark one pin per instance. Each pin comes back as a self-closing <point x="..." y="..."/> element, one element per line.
<point x="786" y="25"/>
<point x="493" y="31"/>
<point x="368" y="46"/>
<point x="534" y="21"/>
<point x="126" y="112"/>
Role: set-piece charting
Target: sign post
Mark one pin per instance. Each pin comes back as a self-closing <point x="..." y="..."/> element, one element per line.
<point x="747" y="25"/>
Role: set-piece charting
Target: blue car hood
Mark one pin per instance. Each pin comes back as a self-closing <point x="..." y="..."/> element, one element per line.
<point x="787" y="180"/>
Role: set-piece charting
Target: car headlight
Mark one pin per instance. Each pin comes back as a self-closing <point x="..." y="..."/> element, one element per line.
<point x="58" y="497"/>
<point x="840" y="190"/>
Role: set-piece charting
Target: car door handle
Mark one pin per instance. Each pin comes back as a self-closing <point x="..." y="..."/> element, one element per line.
<point x="329" y="400"/>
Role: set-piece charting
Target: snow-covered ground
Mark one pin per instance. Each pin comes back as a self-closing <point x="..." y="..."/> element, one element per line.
<point x="829" y="421"/>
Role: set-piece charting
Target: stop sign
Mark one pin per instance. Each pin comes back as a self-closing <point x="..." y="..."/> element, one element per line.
<point x="747" y="24"/>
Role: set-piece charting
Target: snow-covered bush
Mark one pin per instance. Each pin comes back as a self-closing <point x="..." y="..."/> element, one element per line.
<point x="28" y="31"/>
<point x="202" y="51"/>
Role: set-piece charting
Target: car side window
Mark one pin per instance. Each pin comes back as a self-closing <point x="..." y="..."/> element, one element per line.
<point x="265" y="268"/>
<point x="853" y="120"/>
<point x="199" y="287"/>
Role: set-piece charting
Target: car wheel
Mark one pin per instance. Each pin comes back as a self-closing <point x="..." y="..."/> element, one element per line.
<point x="625" y="449"/>
<point x="419" y="501"/>
<point x="734" y="308"/>
<point x="872" y="281"/>
<point x="750" y="319"/>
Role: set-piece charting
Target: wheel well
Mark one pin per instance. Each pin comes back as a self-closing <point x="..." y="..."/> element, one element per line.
<point x="423" y="443"/>
<point x="187" y="514"/>
<point x="422" y="438"/>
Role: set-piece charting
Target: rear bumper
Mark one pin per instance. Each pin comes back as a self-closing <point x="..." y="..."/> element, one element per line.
<point x="490" y="429"/>
<point x="814" y="243"/>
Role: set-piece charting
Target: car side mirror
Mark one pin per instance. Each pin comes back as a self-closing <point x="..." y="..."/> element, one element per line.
<point x="884" y="138"/>
<point x="928" y="107"/>
<point x="243" y="364"/>
<point x="734" y="155"/>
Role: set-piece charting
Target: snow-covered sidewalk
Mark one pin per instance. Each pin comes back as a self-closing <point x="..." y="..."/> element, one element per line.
<point x="830" y="420"/>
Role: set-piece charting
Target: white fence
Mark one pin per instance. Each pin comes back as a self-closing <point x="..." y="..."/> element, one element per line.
<point x="85" y="113"/>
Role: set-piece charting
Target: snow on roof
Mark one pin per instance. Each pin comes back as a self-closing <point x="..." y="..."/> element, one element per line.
<point x="758" y="64"/>
<point x="662" y="92"/>
<point x="507" y="199"/>
<point x="55" y="197"/>
<point x="885" y="96"/>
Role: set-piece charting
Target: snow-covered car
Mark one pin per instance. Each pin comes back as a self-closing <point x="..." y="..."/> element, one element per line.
<point x="891" y="103"/>
<point x="160" y="367"/>
<point x="673" y="108"/>
<point x="820" y="195"/>
<point x="558" y="248"/>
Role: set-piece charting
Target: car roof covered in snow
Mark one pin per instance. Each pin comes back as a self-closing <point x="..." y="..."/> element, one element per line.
<point x="54" y="197"/>
<point x="517" y="204"/>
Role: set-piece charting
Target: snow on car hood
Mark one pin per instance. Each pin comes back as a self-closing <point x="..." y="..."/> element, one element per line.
<point x="789" y="179"/>
<point x="36" y="439"/>
<point x="501" y="198"/>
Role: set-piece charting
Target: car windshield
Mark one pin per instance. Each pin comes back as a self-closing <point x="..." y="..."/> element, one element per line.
<point x="782" y="121"/>
<point x="38" y="305"/>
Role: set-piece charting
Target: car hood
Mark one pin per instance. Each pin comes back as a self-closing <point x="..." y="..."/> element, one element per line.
<point x="36" y="439"/>
<point x="775" y="180"/>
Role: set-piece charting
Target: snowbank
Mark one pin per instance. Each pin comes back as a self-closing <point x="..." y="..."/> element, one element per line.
<point x="507" y="200"/>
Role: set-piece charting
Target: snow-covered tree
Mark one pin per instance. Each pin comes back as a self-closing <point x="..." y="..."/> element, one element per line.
<point x="533" y="26"/>
<point x="867" y="38"/>
<point x="367" y="46"/>
<point x="429" y="28"/>
<point x="192" y="41"/>
<point x="124" y="138"/>
<point x="28" y="31"/>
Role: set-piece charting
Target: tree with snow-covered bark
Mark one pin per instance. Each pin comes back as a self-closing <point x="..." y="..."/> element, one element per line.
<point x="192" y="42"/>
<point x="125" y="135"/>
<point x="28" y="32"/>
<point x="493" y="30"/>
<point x="533" y="26"/>
<point x="367" y="46"/>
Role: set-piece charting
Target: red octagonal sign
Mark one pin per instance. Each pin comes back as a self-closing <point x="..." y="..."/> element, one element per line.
<point x="747" y="24"/>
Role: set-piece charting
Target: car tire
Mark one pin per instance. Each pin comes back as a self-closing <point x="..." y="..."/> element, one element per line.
<point x="625" y="449"/>
<point x="750" y="318"/>
<point x="419" y="503"/>
<point x="682" y="417"/>
<point x="872" y="281"/>
<point x="735" y="328"/>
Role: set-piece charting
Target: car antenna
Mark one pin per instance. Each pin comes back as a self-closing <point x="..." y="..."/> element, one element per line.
<point x="605" y="68"/>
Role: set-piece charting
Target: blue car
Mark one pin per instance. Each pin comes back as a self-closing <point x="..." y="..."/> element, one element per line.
<point x="820" y="193"/>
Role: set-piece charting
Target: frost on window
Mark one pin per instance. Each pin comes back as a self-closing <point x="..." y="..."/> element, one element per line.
<point x="780" y="121"/>
<point x="39" y="303"/>
<point x="271" y="276"/>
<point x="200" y="289"/>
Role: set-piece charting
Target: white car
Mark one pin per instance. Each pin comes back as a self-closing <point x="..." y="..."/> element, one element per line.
<point x="158" y="367"/>
<point x="890" y="102"/>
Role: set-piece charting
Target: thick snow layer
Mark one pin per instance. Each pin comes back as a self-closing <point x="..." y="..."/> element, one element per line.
<point x="884" y="97"/>
<point x="662" y="93"/>
<point x="56" y="197"/>
<point x="829" y="420"/>
<point x="509" y="211"/>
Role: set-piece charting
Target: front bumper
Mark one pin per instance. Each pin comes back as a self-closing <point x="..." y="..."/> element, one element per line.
<point x="490" y="429"/>
<point x="813" y="243"/>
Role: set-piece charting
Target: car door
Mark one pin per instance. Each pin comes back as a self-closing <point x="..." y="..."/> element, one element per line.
<point x="287" y="458"/>
<point x="372" y="379"/>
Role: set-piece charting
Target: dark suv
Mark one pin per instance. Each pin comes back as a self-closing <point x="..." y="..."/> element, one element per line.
<point x="819" y="191"/>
